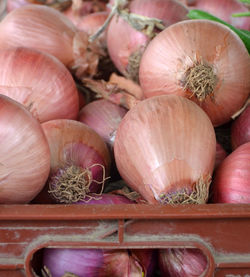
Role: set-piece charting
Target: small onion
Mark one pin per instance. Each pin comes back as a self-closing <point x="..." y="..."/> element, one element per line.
<point x="165" y="150"/>
<point x="224" y="10"/>
<point x="178" y="262"/>
<point x="80" y="160"/>
<point x="104" y="117"/>
<point x="201" y="60"/>
<point x="24" y="152"/>
<point x="98" y="262"/>
<point x="240" y="130"/>
<point x="232" y="179"/>
<point x="40" y="82"/>
<point x="126" y="52"/>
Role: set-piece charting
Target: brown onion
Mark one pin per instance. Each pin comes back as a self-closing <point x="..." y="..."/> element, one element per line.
<point x="24" y="152"/>
<point x="232" y="179"/>
<point x="165" y="150"/>
<point x="125" y="49"/>
<point x="80" y="160"/>
<point x="40" y="82"/>
<point x="201" y="60"/>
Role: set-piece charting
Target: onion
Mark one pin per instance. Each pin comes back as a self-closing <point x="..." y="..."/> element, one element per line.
<point x="126" y="52"/>
<point x="98" y="262"/>
<point x="165" y="150"/>
<point x="232" y="179"/>
<point x="240" y="130"/>
<point x="178" y="262"/>
<point x="220" y="155"/>
<point x="201" y="60"/>
<point x="108" y="199"/>
<point x="40" y="82"/>
<point x="14" y="4"/>
<point x="80" y="160"/>
<point x="224" y="10"/>
<point x="48" y="30"/>
<point x="25" y="157"/>
<point x="103" y="117"/>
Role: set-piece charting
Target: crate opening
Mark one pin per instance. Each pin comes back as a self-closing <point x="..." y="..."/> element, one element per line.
<point x="147" y="262"/>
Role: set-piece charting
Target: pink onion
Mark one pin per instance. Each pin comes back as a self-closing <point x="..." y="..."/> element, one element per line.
<point x="24" y="152"/>
<point x="178" y="262"/>
<point x="232" y="179"/>
<point x="224" y="10"/>
<point x="40" y="82"/>
<point x="107" y="199"/>
<point x="99" y="262"/>
<point x="126" y="52"/>
<point x="240" y="130"/>
<point x="103" y="117"/>
<point x="220" y="155"/>
<point x="48" y="30"/>
<point x="165" y="150"/>
<point x="80" y="160"/>
<point x="191" y="59"/>
<point x="14" y="4"/>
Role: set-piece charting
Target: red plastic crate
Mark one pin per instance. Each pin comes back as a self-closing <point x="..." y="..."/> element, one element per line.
<point x="221" y="231"/>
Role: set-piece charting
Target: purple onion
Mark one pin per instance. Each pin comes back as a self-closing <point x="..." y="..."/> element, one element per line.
<point x="182" y="262"/>
<point x="220" y="155"/>
<point x="240" y="130"/>
<point x="107" y="199"/>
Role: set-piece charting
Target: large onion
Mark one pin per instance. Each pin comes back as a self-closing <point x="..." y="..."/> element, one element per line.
<point x="201" y="60"/>
<point x="40" y="82"/>
<point x="165" y="150"/>
<point x="24" y="154"/>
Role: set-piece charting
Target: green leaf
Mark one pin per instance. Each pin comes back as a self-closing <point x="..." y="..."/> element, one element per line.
<point x="245" y="1"/>
<point x="243" y="34"/>
<point x="241" y="14"/>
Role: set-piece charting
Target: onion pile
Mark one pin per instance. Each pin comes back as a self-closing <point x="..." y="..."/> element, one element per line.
<point x="126" y="52"/>
<point x="20" y="28"/>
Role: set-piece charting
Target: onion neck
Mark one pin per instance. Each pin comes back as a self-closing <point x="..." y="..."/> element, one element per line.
<point x="200" y="80"/>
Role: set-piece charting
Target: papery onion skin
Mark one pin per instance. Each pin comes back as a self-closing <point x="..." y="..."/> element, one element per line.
<point x="180" y="47"/>
<point x="178" y="262"/>
<point x="39" y="27"/>
<point x="73" y="143"/>
<point x="134" y="42"/>
<point x="224" y="10"/>
<point x="164" y="145"/>
<point x="24" y="151"/>
<point x="231" y="183"/>
<point x="14" y="4"/>
<point x="240" y="130"/>
<point x="104" y="117"/>
<point x="40" y="82"/>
